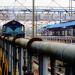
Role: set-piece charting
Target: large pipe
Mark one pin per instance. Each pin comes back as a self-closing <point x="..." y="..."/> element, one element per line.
<point x="60" y="51"/>
<point x="21" y="42"/>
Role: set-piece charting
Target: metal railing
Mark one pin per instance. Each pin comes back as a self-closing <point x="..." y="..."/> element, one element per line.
<point x="19" y="53"/>
<point x="64" y="39"/>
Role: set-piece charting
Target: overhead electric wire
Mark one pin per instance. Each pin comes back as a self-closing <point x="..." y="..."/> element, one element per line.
<point x="59" y="5"/>
<point x="21" y="4"/>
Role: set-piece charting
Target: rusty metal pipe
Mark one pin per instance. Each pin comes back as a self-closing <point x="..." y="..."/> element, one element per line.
<point x="60" y="51"/>
<point x="21" y="42"/>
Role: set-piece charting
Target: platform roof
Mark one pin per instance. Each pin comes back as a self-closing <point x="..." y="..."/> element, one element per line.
<point x="61" y="25"/>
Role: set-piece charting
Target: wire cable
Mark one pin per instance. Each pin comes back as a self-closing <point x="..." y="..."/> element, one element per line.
<point x="22" y="5"/>
<point x="59" y="5"/>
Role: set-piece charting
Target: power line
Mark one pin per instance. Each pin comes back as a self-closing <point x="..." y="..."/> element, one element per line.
<point x="60" y="5"/>
<point x="22" y="5"/>
<point x="57" y="3"/>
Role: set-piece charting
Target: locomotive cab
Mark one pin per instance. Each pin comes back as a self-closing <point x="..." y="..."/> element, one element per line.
<point x="13" y="28"/>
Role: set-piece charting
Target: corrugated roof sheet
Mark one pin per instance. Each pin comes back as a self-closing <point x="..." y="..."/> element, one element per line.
<point x="61" y="25"/>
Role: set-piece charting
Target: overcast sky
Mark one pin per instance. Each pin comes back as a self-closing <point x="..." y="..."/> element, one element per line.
<point x="52" y="3"/>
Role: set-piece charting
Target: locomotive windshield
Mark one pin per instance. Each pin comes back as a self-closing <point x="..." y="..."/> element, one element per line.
<point x="3" y="28"/>
<point x="13" y="28"/>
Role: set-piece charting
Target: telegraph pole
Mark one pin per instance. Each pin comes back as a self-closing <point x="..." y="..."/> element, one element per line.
<point x="33" y="18"/>
<point x="70" y="8"/>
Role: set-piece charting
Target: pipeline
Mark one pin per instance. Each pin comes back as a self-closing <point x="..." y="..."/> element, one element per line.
<point x="42" y="49"/>
<point x="59" y="51"/>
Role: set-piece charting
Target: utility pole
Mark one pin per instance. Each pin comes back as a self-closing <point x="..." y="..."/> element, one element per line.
<point x="33" y="18"/>
<point x="70" y="8"/>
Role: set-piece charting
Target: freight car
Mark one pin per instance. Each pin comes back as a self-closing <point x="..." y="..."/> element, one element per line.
<point x="13" y="28"/>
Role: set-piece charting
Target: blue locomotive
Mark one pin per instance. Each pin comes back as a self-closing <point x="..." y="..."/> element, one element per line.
<point x="13" y="28"/>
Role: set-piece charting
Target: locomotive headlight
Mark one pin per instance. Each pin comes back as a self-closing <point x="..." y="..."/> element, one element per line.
<point x="22" y="28"/>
